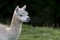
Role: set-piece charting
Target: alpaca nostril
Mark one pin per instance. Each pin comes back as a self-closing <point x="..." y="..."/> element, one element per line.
<point x="28" y="19"/>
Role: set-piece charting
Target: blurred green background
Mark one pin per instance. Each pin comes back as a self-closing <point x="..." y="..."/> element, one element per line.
<point x="41" y="12"/>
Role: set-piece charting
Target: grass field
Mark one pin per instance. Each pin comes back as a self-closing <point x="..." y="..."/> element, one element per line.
<point x="39" y="33"/>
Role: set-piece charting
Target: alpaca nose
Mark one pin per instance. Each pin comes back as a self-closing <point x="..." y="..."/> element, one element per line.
<point x="28" y="19"/>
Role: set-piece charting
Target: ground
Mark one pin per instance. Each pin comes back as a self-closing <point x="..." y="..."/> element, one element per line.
<point x="39" y="33"/>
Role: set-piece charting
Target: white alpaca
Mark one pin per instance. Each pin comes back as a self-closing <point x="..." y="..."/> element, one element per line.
<point x="13" y="32"/>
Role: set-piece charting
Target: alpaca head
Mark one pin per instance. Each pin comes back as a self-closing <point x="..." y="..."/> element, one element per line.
<point x="21" y="14"/>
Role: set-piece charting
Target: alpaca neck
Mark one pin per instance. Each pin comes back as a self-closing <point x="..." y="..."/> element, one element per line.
<point x="15" y="29"/>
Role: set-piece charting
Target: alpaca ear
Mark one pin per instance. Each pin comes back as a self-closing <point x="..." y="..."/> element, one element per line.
<point x="17" y="9"/>
<point x="24" y="7"/>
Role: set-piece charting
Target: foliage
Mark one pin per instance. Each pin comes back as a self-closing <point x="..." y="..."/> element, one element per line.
<point x="42" y="12"/>
<point x="39" y="33"/>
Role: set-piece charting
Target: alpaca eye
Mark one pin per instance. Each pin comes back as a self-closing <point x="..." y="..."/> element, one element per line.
<point x="21" y="15"/>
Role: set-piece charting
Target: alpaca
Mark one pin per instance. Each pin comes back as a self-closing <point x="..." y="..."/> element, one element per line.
<point x="13" y="32"/>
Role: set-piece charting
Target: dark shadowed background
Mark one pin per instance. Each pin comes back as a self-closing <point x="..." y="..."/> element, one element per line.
<point x="41" y="12"/>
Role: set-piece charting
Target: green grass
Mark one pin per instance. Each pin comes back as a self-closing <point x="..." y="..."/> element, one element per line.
<point x="39" y="33"/>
